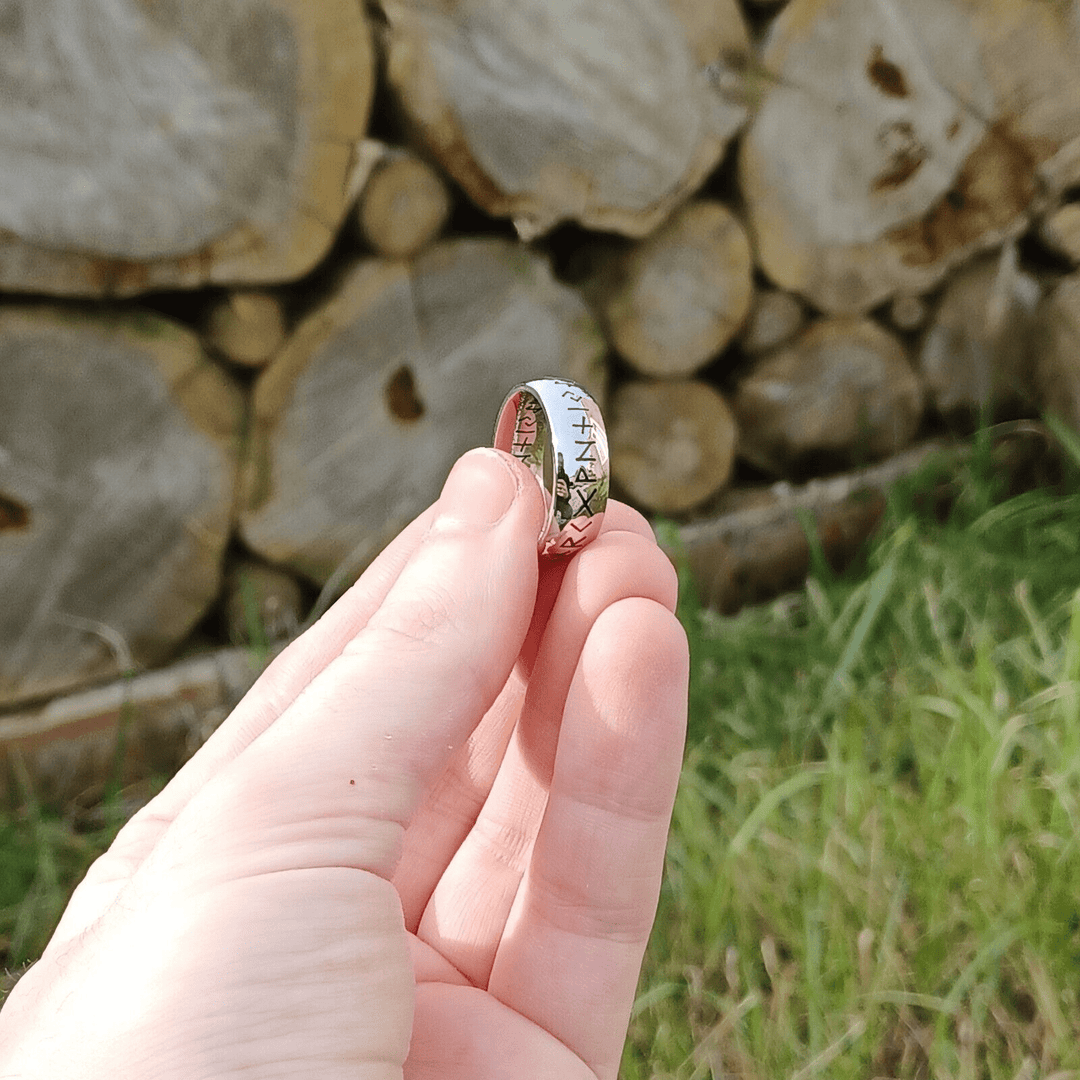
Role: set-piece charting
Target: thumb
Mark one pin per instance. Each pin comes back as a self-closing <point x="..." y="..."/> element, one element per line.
<point x="336" y="778"/>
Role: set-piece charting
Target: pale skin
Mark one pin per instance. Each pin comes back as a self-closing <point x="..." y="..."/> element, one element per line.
<point x="427" y="844"/>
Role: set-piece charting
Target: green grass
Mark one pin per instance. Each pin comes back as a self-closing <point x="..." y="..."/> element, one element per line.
<point x="42" y="857"/>
<point x="874" y="866"/>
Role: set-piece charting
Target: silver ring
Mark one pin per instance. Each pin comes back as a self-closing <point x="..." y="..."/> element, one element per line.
<point x="555" y="428"/>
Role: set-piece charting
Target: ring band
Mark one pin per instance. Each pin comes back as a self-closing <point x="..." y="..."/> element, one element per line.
<point x="555" y="428"/>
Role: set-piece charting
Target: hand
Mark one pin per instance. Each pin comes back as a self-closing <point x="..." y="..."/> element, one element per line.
<point x="428" y="842"/>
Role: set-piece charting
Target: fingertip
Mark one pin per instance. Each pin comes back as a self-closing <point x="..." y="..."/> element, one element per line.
<point x="621" y="517"/>
<point x="639" y="634"/>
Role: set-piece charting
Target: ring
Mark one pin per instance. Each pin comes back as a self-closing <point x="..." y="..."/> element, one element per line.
<point x="555" y="428"/>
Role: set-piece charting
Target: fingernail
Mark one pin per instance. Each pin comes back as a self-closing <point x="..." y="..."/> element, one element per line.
<point x="480" y="488"/>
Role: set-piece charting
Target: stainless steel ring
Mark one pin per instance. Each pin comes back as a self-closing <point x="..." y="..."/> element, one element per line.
<point x="555" y="428"/>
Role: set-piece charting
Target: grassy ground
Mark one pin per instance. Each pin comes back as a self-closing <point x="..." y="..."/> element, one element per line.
<point x="874" y="868"/>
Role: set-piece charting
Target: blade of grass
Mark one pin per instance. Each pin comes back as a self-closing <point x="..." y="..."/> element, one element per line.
<point x="879" y="587"/>
<point x="992" y="951"/>
<point x="770" y="801"/>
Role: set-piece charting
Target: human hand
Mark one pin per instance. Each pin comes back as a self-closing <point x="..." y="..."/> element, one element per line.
<point x="438" y="820"/>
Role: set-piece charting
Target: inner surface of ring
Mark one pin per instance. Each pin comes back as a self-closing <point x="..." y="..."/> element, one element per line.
<point x="531" y="442"/>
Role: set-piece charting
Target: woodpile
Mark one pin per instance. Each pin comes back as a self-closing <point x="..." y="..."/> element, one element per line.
<point x="248" y="321"/>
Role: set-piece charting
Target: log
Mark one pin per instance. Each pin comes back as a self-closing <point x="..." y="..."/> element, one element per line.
<point x="127" y="732"/>
<point x="263" y="604"/>
<point x="1060" y="231"/>
<point x="750" y="553"/>
<point x="672" y="302"/>
<point x="672" y="444"/>
<point x="359" y="419"/>
<point x="403" y="204"/>
<point x="1057" y="347"/>
<point x="842" y="391"/>
<point x="246" y="326"/>
<point x="908" y="312"/>
<point x="775" y="317"/>
<point x="559" y="110"/>
<point x="977" y="353"/>
<point x="152" y="146"/>
<point x="895" y="140"/>
<point x="117" y="479"/>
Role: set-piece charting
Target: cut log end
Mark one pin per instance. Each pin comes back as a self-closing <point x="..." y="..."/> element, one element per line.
<point x="551" y="114"/>
<point x="116" y="493"/>
<point x="1058" y="350"/>
<point x="977" y="352"/>
<point x="908" y="312"/>
<point x="674" y="301"/>
<point x="186" y="144"/>
<point x="842" y="391"/>
<point x="865" y="174"/>
<point x="775" y="317"/>
<point x="672" y="444"/>
<point x="262" y="603"/>
<point x="360" y="417"/>
<point x="246" y="327"/>
<point x="403" y="206"/>
<point x="1060" y="231"/>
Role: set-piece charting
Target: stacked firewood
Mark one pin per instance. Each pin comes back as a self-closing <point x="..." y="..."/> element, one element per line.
<point x="268" y="266"/>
